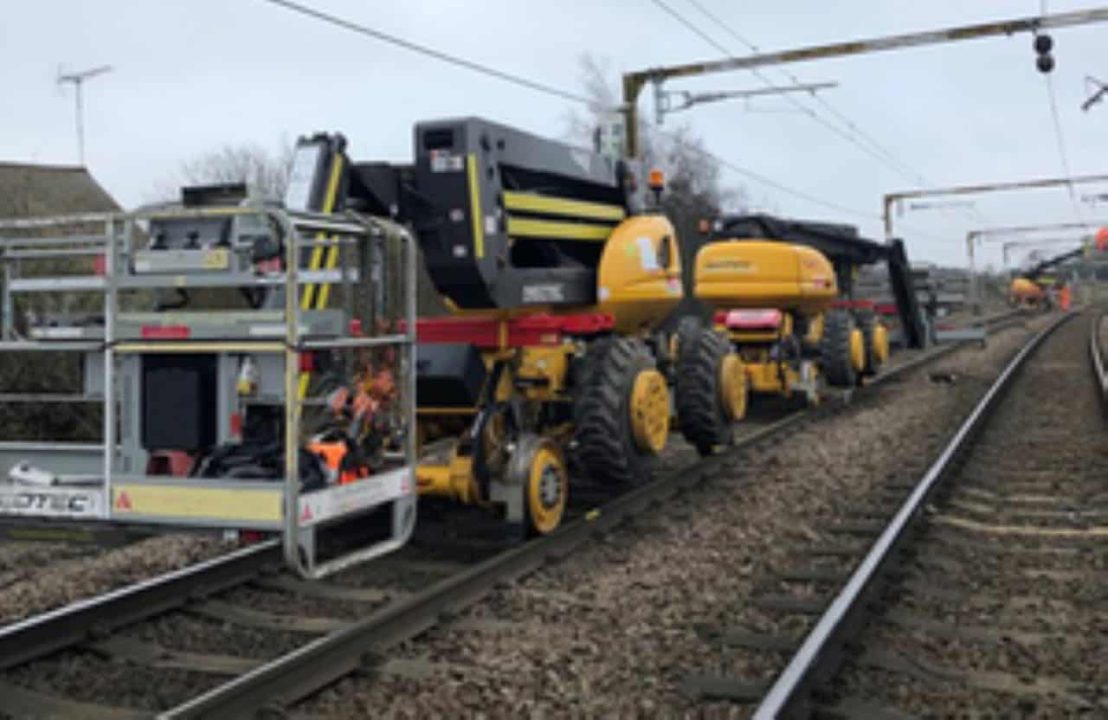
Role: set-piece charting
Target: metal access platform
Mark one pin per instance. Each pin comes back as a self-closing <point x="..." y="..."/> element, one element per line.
<point x="196" y="332"/>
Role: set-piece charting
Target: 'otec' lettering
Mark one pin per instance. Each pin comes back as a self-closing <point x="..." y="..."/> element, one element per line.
<point x="71" y="503"/>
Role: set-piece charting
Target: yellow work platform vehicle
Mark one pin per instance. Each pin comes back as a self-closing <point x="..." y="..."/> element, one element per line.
<point x="558" y="275"/>
<point x="785" y="323"/>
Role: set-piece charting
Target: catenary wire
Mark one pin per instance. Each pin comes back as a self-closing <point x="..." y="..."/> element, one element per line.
<point x="430" y="52"/>
<point x="889" y="158"/>
<point x="1063" y="156"/>
<point x="720" y="47"/>
<point x="361" y="29"/>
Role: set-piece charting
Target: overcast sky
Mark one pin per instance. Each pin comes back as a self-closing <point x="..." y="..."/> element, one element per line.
<point x="191" y="75"/>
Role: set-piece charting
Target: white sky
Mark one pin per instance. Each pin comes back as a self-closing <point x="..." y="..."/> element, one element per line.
<point x="191" y="75"/>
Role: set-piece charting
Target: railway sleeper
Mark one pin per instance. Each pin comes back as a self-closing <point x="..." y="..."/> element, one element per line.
<point x="23" y="702"/>
<point x="813" y="575"/>
<point x="326" y="591"/>
<point x="702" y="688"/>
<point x="858" y="528"/>
<point x="789" y="604"/>
<point x="856" y="708"/>
<point x="124" y="649"/>
<point x="747" y="639"/>
<point x="989" y="634"/>
<point x="1051" y="690"/>
<point x="839" y="550"/>
<point x="221" y="611"/>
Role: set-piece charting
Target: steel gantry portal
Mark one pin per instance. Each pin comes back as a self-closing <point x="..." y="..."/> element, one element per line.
<point x="634" y="82"/>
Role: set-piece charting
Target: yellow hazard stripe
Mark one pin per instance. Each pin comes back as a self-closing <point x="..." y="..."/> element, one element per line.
<point x="530" y="202"/>
<point x="330" y="199"/>
<point x="323" y="295"/>
<point x="309" y="290"/>
<point x="475" y="206"/>
<point x="520" y="227"/>
<point x="305" y="381"/>
<point x="262" y="504"/>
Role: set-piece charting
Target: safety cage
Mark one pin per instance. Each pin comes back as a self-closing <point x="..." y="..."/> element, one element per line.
<point x="236" y="367"/>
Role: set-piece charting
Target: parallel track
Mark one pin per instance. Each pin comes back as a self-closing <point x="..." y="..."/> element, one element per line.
<point x="372" y="617"/>
<point x="985" y="591"/>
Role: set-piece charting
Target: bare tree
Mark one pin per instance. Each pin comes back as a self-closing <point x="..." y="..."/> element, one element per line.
<point x="694" y="187"/>
<point x="265" y="173"/>
<point x="689" y="168"/>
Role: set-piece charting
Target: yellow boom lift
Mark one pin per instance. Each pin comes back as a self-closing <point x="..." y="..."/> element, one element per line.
<point x="558" y="279"/>
<point x="783" y="323"/>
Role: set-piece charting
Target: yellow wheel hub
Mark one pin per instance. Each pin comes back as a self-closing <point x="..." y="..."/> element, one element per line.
<point x="880" y="343"/>
<point x="547" y="489"/>
<point x="650" y="411"/>
<point x="857" y="350"/>
<point x="733" y="387"/>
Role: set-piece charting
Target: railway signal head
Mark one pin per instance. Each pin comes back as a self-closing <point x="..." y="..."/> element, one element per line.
<point x="1043" y="59"/>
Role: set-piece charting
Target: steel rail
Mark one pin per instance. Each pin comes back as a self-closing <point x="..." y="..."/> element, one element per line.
<point x="1096" y="355"/>
<point x="819" y="654"/>
<point x="71" y="624"/>
<point x="305" y="670"/>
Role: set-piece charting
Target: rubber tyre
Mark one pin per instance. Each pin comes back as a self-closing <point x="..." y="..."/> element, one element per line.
<point x="688" y="331"/>
<point x="867" y="322"/>
<point x="834" y="349"/>
<point x="700" y="412"/>
<point x="604" y="443"/>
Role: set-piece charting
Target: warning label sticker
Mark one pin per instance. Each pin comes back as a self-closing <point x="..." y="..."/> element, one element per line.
<point x="446" y="161"/>
<point x="364" y="494"/>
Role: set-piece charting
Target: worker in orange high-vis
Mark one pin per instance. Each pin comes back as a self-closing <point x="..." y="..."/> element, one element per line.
<point x="1065" y="298"/>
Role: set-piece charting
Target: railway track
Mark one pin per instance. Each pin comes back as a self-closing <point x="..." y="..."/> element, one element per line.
<point x="289" y="638"/>
<point x="985" y="592"/>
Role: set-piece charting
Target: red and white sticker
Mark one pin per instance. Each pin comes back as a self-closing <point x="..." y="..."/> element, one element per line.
<point x="446" y="161"/>
<point x="323" y="505"/>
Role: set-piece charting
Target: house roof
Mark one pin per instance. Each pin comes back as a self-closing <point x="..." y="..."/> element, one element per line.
<point x="28" y="190"/>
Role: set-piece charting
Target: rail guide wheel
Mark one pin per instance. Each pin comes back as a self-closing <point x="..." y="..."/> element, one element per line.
<point x="711" y="391"/>
<point x="842" y="349"/>
<point x="875" y="339"/>
<point x="622" y="411"/>
<point x="538" y="473"/>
